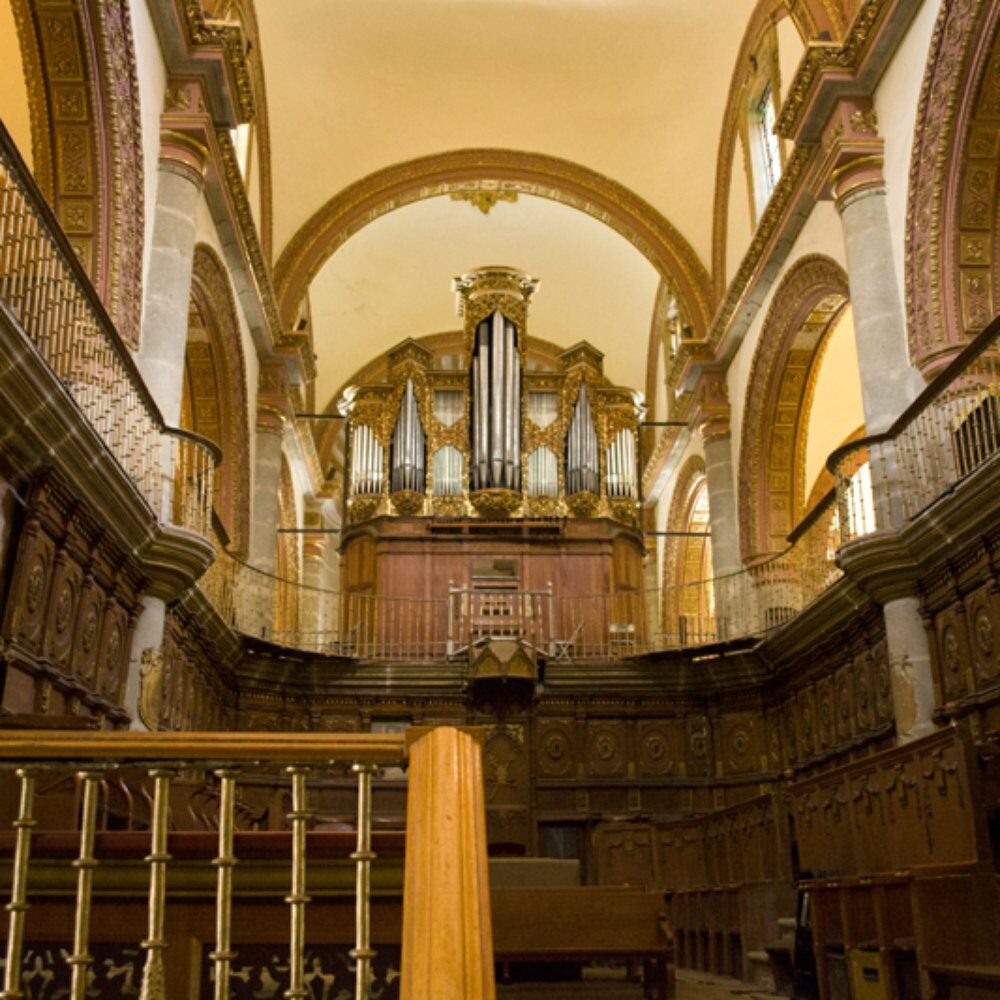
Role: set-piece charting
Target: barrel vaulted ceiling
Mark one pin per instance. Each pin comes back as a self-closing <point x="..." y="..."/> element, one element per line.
<point x="634" y="90"/>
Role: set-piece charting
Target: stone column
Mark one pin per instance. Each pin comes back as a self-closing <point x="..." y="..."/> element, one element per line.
<point x="889" y="383"/>
<point x="909" y="668"/>
<point x="163" y="341"/>
<point x="712" y="395"/>
<point x="722" y="505"/>
<point x="266" y="484"/>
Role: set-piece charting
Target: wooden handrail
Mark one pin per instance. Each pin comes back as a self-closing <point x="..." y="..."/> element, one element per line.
<point x="28" y="746"/>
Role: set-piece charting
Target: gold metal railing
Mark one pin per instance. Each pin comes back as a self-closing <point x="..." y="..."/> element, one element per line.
<point x="228" y="756"/>
<point x="47" y="293"/>
<point x="951" y="430"/>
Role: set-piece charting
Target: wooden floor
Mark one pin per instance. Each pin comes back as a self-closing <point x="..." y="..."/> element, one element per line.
<point x="690" y="986"/>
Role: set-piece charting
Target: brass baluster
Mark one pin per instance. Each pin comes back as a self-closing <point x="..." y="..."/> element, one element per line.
<point x="18" y="905"/>
<point x="362" y="952"/>
<point x="153" y="980"/>
<point x="224" y="954"/>
<point x="297" y="898"/>
<point x="85" y="864"/>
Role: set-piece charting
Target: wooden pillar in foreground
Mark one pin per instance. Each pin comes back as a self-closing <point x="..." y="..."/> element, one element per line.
<point x="447" y="928"/>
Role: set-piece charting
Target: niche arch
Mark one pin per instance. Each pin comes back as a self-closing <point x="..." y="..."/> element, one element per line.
<point x="215" y="390"/>
<point x="772" y="486"/>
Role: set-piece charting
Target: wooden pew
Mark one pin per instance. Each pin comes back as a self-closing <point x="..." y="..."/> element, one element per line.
<point x="584" y="924"/>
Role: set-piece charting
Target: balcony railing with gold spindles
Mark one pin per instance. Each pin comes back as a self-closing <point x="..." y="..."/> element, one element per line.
<point x="46" y="292"/>
<point x="948" y="433"/>
<point x="163" y="755"/>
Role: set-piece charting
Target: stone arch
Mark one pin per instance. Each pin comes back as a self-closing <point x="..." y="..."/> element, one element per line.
<point x="86" y="128"/>
<point x="687" y="560"/>
<point x="953" y="228"/>
<point x="530" y="173"/>
<point x="216" y="397"/>
<point x="772" y="486"/>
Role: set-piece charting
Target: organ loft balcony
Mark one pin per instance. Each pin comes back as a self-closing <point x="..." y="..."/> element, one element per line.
<point x="490" y="503"/>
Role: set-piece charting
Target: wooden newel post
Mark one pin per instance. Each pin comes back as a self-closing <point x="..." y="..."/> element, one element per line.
<point x="447" y="927"/>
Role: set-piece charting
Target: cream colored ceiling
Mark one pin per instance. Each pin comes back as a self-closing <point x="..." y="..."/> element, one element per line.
<point x="393" y="280"/>
<point x="634" y="89"/>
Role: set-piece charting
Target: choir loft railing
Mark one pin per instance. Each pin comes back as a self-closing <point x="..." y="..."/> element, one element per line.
<point x="47" y="294"/>
<point x="363" y="626"/>
<point x="445" y="865"/>
<point x="949" y="432"/>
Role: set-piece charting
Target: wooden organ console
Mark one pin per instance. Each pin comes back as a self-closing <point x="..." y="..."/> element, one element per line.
<point x="493" y="500"/>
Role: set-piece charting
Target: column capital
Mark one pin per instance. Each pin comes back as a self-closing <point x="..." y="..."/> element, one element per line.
<point x="711" y="404"/>
<point x="271" y="419"/>
<point x="184" y="154"/>
<point x="852" y="152"/>
<point x="184" y="130"/>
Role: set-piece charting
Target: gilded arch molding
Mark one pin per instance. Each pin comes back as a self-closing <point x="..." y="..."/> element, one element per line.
<point x="529" y="173"/>
<point x="953" y="229"/>
<point x="779" y="392"/>
<point x="86" y="128"/>
<point x="216" y="365"/>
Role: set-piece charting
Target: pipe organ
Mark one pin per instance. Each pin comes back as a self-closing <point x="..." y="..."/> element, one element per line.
<point x="494" y="497"/>
<point x="498" y="438"/>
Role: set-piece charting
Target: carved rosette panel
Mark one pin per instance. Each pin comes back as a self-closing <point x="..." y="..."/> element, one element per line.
<point x="556" y="754"/>
<point x="982" y="617"/>
<point x="505" y="766"/>
<point x="699" y="747"/>
<point x="826" y="713"/>
<point x="864" y="709"/>
<point x="741" y="743"/>
<point x="659" y="748"/>
<point x="88" y="631"/>
<point x="844" y="703"/>
<point x="882" y="683"/>
<point x="112" y="660"/>
<point x="26" y="612"/>
<point x="952" y="656"/>
<point x="808" y="729"/>
<point x="63" y="601"/>
<point x="607" y="754"/>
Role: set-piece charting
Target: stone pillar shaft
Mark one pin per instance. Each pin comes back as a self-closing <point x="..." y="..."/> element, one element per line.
<point x="722" y="505"/>
<point x="888" y="382"/>
<point x="168" y="287"/>
<point x="266" y="486"/>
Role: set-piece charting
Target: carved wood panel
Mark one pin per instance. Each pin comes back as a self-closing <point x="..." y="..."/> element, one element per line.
<point x="73" y="603"/>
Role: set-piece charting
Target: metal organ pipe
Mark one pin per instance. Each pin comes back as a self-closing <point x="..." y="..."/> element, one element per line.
<point x="582" y="463"/>
<point x="496" y="405"/>
<point x="621" y="480"/>
<point x="408" y="453"/>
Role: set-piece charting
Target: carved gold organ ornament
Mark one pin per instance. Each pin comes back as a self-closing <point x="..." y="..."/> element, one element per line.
<point x="498" y="439"/>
